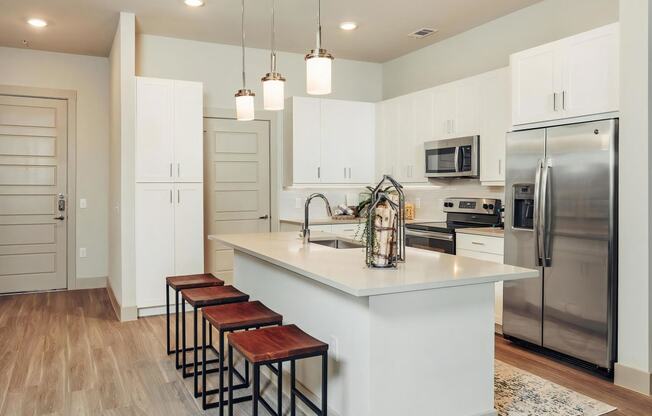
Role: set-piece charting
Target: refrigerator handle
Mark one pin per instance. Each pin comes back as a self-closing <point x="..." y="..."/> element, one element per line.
<point x="547" y="213"/>
<point x="537" y="218"/>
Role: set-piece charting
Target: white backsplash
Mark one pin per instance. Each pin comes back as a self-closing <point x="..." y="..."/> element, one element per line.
<point x="428" y="198"/>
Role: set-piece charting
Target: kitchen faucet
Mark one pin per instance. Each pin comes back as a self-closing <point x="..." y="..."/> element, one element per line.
<point x="305" y="231"/>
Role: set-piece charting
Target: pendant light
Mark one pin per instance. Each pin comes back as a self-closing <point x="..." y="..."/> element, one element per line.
<point x="244" y="98"/>
<point x="318" y="65"/>
<point x="273" y="82"/>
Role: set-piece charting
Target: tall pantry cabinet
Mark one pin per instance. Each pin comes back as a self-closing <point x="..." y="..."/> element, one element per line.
<point x="169" y="185"/>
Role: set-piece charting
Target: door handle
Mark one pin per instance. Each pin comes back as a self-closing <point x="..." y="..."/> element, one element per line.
<point x="170" y="170"/>
<point x="264" y="217"/>
<point x="536" y="217"/>
<point x="60" y="218"/>
<point x="545" y="224"/>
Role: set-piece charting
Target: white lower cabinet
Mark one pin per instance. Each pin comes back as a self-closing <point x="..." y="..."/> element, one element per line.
<point x="488" y="249"/>
<point x="169" y="236"/>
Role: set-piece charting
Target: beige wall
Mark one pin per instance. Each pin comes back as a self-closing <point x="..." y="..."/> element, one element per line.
<point x="89" y="77"/>
<point x="488" y="46"/>
<point x="121" y="173"/>
<point x="635" y="273"/>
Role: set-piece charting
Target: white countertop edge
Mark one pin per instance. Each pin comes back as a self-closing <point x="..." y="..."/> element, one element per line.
<point x="379" y="291"/>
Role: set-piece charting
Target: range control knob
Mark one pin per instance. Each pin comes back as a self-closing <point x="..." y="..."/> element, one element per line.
<point x="485" y="206"/>
<point x="491" y="206"/>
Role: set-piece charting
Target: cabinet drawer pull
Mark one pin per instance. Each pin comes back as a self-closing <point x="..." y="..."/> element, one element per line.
<point x="477" y="243"/>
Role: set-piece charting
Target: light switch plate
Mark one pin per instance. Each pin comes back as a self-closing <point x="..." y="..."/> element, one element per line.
<point x="82" y="252"/>
<point x="82" y="203"/>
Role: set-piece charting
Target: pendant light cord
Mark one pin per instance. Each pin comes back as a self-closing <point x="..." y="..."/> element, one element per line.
<point x="318" y="25"/>
<point x="244" y="79"/>
<point x="273" y="37"/>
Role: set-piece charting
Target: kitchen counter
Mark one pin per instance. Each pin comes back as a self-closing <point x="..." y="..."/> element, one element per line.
<point x="331" y="221"/>
<point x="423" y="332"/>
<point x="486" y="231"/>
<point x="344" y="269"/>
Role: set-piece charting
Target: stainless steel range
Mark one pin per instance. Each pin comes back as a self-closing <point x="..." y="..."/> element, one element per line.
<point x="460" y="213"/>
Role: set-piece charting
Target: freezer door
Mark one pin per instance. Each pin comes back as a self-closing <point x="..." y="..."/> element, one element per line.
<point x="522" y="298"/>
<point x="578" y="223"/>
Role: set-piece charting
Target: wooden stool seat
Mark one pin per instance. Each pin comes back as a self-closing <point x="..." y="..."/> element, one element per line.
<point x="193" y="281"/>
<point x="238" y="316"/>
<point x="213" y="295"/>
<point x="278" y="343"/>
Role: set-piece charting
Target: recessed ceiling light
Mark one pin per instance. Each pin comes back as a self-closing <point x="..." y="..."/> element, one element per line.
<point x="194" y="3"/>
<point x="37" y="22"/>
<point x="348" y="25"/>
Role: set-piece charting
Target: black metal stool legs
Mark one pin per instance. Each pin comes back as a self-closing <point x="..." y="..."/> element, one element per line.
<point x="176" y="328"/>
<point x="167" y="318"/>
<point x="293" y="401"/>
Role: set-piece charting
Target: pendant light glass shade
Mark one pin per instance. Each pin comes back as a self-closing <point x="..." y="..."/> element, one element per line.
<point x="244" y="98"/>
<point x="273" y="92"/>
<point x="318" y="65"/>
<point x="244" y="105"/>
<point x="273" y="82"/>
<point x="318" y="73"/>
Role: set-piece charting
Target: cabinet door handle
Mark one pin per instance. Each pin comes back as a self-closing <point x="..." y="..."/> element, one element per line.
<point x="178" y="196"/>
<point x="554" y="101"/>
<point x="500" y="166"/>
<point x="344" y="173"/>
<point x="349" y="173"/>
<point x="170" y="170"/>
<point x="178" y="170"/>
<point x="318" y="172"/>
<point x="452" y="126"/>
<point x="563" y="100"/>
<point x="170" y="196"/>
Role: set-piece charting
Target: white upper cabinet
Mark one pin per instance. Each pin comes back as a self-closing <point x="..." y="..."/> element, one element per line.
<point x="572" y="77"/>
<point x="169" y="138"/>
<point x="188" y="132"/>
<point x="590" y="72"/>
<point x="154" y="130"/>
<point x="495" y="115"/>
<point x="302" y="134"/>
<point x="456" y="109"/>
<point x="329" y="141"/>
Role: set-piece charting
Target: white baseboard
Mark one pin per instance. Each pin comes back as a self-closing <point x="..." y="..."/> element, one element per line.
<point x="633" y="379"/>
<point x="124" y="314"/>
<point x="90" y="282"/>
<point x="160" y="310"/>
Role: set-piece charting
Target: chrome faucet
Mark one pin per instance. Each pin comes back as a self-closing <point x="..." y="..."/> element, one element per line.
<point x="305" y="231"/>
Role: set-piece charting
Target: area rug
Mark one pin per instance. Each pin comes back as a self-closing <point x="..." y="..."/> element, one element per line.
<point x="519" y="393"/>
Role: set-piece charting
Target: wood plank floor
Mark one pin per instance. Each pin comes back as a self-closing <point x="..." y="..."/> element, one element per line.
<point x="64" y="353"/>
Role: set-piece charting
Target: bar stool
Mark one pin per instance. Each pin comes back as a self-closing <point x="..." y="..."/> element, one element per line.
<point x="277" y="345"/>
<point x="179" y="283"/>
<point x="199" y="298"/>
<point x="230" y="318"/>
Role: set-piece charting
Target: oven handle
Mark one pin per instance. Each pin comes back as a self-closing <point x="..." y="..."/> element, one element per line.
<point x="429" y="234"/>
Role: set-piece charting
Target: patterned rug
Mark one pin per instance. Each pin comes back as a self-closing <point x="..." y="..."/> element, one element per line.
<point x="519" y="393"/>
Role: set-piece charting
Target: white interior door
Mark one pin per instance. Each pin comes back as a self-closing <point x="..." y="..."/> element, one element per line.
<point x="236" y="185"/>
<point x="33" y="172"/>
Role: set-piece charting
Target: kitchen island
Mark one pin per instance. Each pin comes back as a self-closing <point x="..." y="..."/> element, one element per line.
<point x="416" y="340"/>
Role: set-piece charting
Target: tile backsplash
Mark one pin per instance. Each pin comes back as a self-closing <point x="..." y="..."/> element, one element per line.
<point x="428" y="198"/>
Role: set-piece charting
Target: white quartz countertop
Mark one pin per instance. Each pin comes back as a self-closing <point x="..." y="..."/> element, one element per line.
<point x="330" y="221"/>
<point x="345" y="269"/>
<point x="486" y="231"/>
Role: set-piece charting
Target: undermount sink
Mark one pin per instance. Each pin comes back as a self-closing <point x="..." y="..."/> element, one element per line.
<point x="337" y="243"/>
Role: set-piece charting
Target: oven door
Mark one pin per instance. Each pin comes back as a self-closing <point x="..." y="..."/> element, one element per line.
<point x="442" y="161"/>
<point x="429" y="240"/>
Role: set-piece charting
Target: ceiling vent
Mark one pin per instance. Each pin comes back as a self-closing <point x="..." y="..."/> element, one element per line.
<point x="422" y="33"/>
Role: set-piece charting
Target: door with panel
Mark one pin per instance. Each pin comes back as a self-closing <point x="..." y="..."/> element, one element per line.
<point x="33" y="175"/>
<point x="335" y="140"/>
<point x="361" y="159"/>
<point x="590" y="72"/>
<point x="154" y="241"/>
<point x="444" y="101"/>
<point x="495" y="122"/>
<point x="188" y="126"/>
<point x="189" y="237"/>
<point x="423" y="131"/>
<point x="236" y="185"/>
<point x="303" y="122"/>
<point x="406" y="132"/>
<point x="467" y="111"/>
<point x="535" y="80"/>
<point x="155" y="130"/>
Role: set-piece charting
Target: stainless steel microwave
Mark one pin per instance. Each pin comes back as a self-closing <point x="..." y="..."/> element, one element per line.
<point x="453" y="158"/>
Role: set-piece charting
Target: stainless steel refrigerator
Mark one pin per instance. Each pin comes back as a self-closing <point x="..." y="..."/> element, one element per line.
<point x="561" y="218"/>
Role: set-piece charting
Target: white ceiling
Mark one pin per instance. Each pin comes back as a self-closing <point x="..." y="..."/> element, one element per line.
<point x="87" y="26"/>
